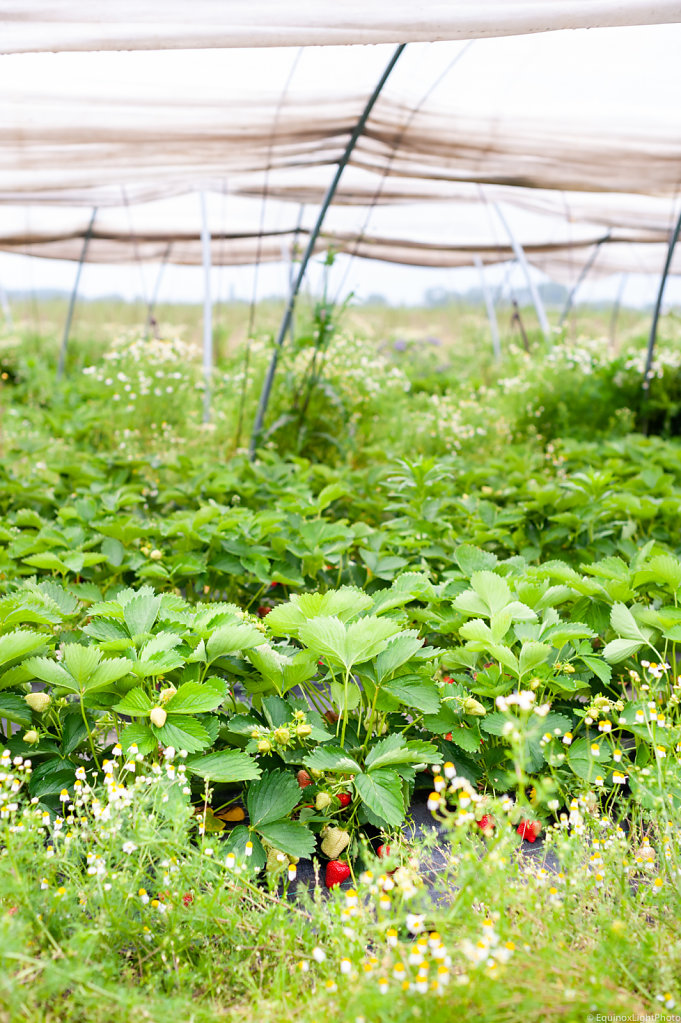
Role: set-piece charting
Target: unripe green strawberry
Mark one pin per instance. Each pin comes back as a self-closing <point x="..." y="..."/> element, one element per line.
<point x="322" y="801"/>
<point x="335" y="840"/>
<point x="31" y="737"/>
<point x="39" y="702"/>
<point x="474" y="707"/>
<point x="281" y="735"/>
<point x="158" y="717"/>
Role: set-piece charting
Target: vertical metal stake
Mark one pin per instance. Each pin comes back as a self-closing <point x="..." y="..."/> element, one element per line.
<point x="69" y="316"/>
<point x="314" y="235"/>
<point x="658" y="304"/>
<point x="157" y="287"/>
<point x="580" y="279"/>
<point x="207" y="312"/>
<point x="491" y="314"/>
<point x="520" y="256"/>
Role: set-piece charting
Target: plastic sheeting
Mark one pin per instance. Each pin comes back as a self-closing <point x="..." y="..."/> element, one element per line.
<point x="580" y="131"/>
<point x="210" y="24"/>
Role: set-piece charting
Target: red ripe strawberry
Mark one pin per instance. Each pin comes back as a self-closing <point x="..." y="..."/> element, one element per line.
<point x="344" y="798"/>
<point x="263" y="611"/>
<point x="448" y="736"/>
<point x="304" y="779"/>
<point x="272" y="585"/>
<point x="383" y="851"/>
<point x="529" y="830"/>
<point x="187" y="898"/>
<point x="336" y="872"/>
<point x="447" y="679"/>
<point x="486" y="822"/>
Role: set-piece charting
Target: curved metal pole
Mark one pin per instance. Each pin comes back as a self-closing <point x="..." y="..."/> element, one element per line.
<point x="658" y="304"/>
<point x="157" y="287"/>
<point x="207" y="311"/>
<point x="491" y="314"/>
<point x="580" y="280"/>
<point x="522" y="259"/>
<point x="314" y="235"/>
<point x="292" y="267"/>
<point x="72" y="304"/>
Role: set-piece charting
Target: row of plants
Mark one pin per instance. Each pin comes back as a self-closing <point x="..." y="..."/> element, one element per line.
<point x="104" y="522"/>
<point x="319" y="721"/>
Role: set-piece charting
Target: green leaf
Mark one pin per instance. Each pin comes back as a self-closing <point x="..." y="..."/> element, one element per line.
<point x="229" y="765"/>
<point x="230" y="638"/>
<point x="48" y="670"/>
<point x="346" y="698"/>
<point x="619" y="649"/>
<point x="472" y="559"/>
<point x="381" y="792"/>
<point x="331" y="758"/>
<point x="624" y="623"/>
<point x="138" y="735"/>
<point x="479" y="631"/>
<point x="17" y="644"/>
<point x="664" y="568"/>
<point x="397" y="652"/>
<point x="393" y="749"/>
<point x="326" y="636"/>
<point x="46" y="560"/>
<point x="494" y="723"/>
<point x="599" y="667"/>
<point x="414" y="691"/>
<point x="274" y="796"/>
<point x="465" y="737"/>
<point x="347" y="645"/>
<point x="566" y="632"/>
<point x="532" y="655"/>
<point x="289" y="837"/>
<point x="81" y="662"/>
<point x="140" y="613"/>
<point x="236" y="843"/>
<point x="136" y="703"/>
<point x="367" y="638"/>
<point x="14" y="708"/>
<point x="192" y="698"/>
<point x="583" y="763"/>
<point x="183" y="732"/>
<point x="492" y="589"/>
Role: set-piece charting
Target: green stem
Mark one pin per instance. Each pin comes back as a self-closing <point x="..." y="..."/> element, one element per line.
<point x="89" y="734"/>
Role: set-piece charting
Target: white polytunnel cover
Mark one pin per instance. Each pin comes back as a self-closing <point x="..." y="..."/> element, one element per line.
<point x="508" y="117"/>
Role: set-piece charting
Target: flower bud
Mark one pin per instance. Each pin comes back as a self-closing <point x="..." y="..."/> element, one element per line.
<point x="158" y="717"/>
<point x="322" y="801"/>
<point x="38" y="702"/>
<point x="31" y="737"/>
<point x="335" y="840"/>
<point x="474" y="707"/>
